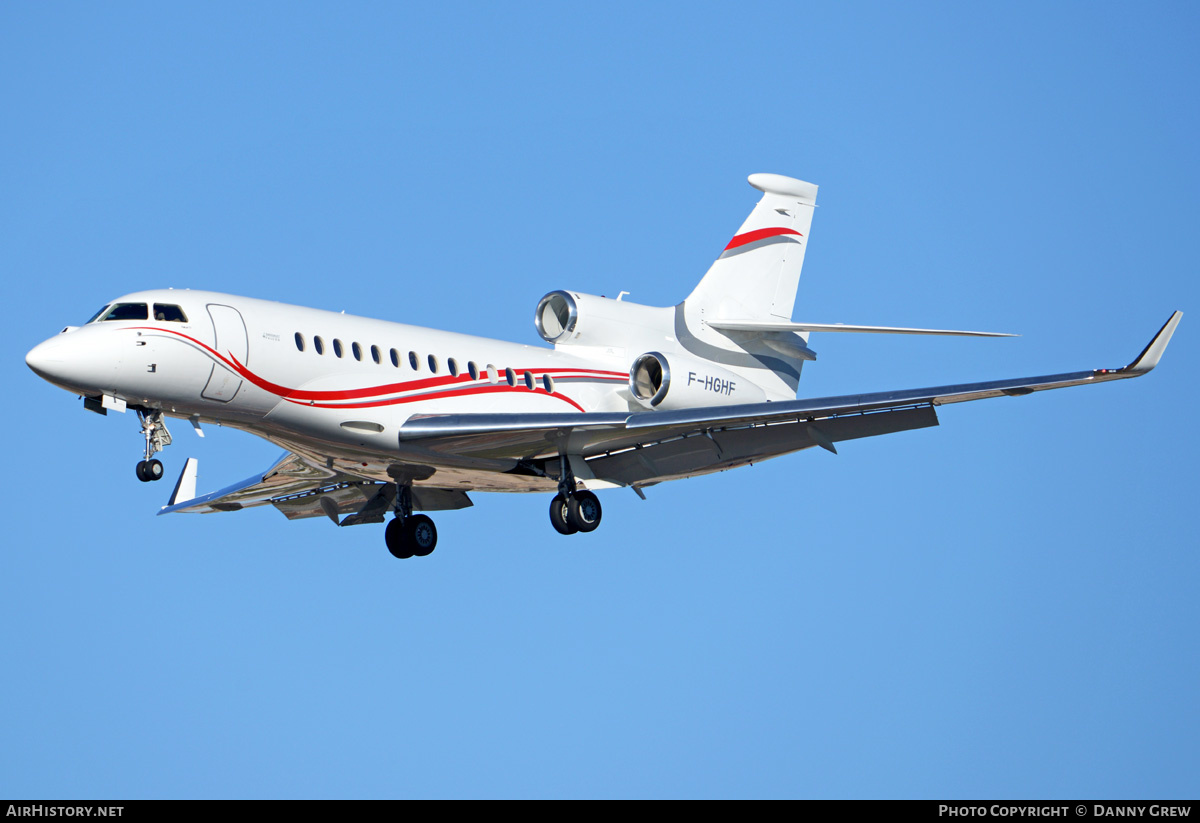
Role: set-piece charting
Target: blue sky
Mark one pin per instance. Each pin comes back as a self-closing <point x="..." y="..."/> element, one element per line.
<point x="1003" y="606"/>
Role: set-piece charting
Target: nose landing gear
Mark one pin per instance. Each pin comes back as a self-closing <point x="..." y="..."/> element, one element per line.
<point x="148" y="470"/>
<point x="154" y="428"/>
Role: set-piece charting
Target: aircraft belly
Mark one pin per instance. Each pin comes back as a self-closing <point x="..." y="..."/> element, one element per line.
<point x="381" y="462"/>
<point x="489" y="481"/>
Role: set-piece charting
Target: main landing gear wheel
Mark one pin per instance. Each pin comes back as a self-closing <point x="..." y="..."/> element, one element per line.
<point x="397" y="540"/>
<point x="413" y="536"/>
<point x="148" y="470"/>
<point x="572" y="509"/>
<point x="578" y="512"/>
<point x="421" y="534"/>
<point x="560" y="515"/>
<point x="583" y="511"/>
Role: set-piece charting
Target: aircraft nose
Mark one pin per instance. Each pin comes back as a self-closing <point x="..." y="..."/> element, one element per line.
<point x="45" y="357"/>
<point x="75" y="361"/>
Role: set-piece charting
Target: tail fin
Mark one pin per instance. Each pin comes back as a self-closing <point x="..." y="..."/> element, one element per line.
<point x="757" y="274"/>
<point x="755" y="280"/>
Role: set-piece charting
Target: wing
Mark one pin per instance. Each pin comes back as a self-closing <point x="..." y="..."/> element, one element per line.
<point x="299" y="489"/>
<point x="643" y="448"/>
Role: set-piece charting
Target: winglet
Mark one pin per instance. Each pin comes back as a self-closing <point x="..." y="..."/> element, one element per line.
<point x="1150" y="355"/>
<point x="185" y="487"/>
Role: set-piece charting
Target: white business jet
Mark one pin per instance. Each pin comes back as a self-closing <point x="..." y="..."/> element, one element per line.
<point x="378" y="416"/>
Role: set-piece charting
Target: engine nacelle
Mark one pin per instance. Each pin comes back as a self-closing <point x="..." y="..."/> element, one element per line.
<point x="679" y="382"/>
<point x="571" y="318"/>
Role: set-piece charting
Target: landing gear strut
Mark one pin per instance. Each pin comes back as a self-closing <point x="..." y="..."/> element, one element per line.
<point x="154" y="428"/>
<point x="409" y="535"/>
<point x="572" y="509"/>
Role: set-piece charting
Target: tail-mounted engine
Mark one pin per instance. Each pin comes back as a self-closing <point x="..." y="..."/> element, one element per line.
<point x="679" y="382"/>
<point x="570" y="318"/>
<point x="556" y="317"/>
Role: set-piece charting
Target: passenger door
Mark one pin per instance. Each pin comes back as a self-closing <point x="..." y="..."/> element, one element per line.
<point x="232" y="341"/>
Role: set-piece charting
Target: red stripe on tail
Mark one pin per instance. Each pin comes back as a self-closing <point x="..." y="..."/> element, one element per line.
<point x="759" y="234"/>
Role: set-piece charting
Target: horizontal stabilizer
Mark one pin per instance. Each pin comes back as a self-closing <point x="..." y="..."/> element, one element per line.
<point x="757" y="326"/>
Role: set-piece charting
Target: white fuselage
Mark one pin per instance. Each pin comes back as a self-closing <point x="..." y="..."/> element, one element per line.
<point x="333" y="387"/>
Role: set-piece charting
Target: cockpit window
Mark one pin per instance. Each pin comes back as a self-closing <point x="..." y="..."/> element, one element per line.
<point x="96" y="316"/>
<point x="127" y="311"/>
<point x="169" y="313"/>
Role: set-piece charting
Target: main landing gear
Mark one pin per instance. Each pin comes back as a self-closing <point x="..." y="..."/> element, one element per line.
<point x="157" y="438"/>
<point x="409" y="535"/>
<point x="573" y="510"/>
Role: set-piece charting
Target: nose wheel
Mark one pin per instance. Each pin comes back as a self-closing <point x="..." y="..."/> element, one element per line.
<point x="149" y="470"/>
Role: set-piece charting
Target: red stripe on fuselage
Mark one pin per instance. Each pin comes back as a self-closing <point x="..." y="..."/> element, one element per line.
<point x="759" y="234"/>
<point x="395" y="401"/>
<point x="311" y="397"/>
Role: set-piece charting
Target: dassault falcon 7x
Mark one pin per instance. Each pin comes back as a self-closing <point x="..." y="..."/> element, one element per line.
<point x="380" y="417"/>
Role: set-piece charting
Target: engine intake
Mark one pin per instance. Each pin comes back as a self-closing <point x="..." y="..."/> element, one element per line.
<point x="556" y="316"/>
<point x="569" y="318"/>
<point x="650" y="378"/>
<point x="683" y="383"/>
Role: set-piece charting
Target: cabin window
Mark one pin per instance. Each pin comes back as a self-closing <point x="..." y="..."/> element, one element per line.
<point x="357" y="349"/>
<point x="548" y="383"/>
<point x="96" y="316"/>
<point x="414" y="361"/>
<point x="375" y="355"/>
<point x="299" y="342"/>
<point x="128" y="311"/>
<point x="452" y="365"/>
<point x="492" y="374"/>
<point x="510" y="377"/>
<point x="168" y="313"/>
<point x="433" y="364"/>
<point x="319" y="345"/>
<point x="529" y="381"/>
<point x="395" y="358"/>
<point x="338" y="351"/>
<point x="472" y="370"/>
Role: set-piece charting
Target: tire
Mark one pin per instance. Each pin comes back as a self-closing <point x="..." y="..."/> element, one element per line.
<point x="559" y="515"/>
<point x="397" y="540"/>
<point x="421" y="535"/>
<point x="583" y="511"/>
<point x="153" y="470"/>
<point x="141" y="471"/>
